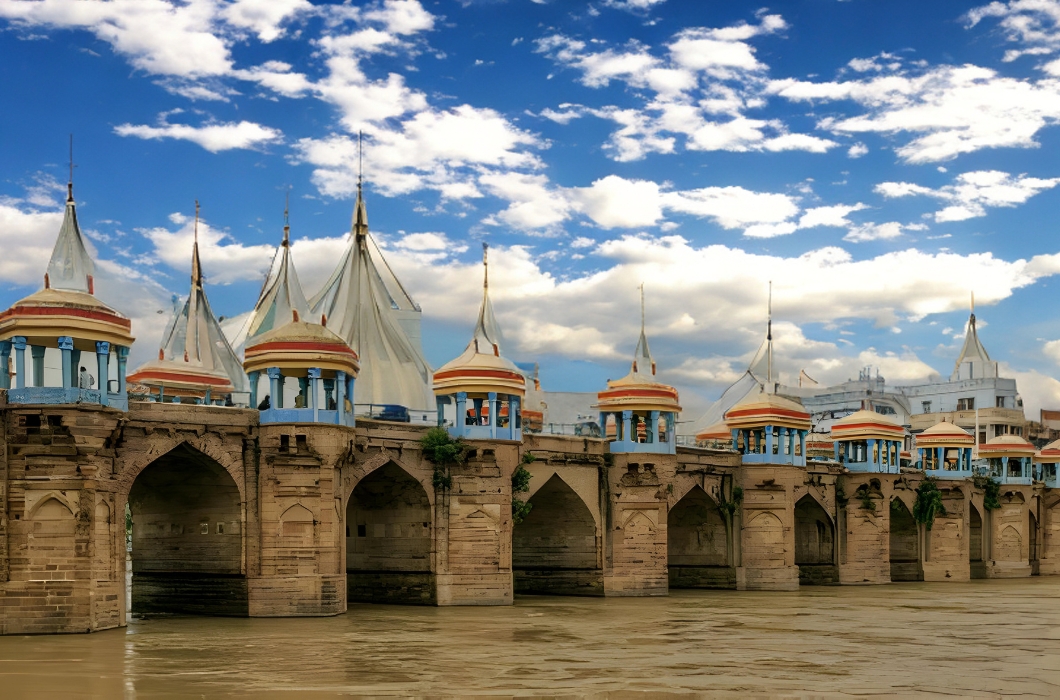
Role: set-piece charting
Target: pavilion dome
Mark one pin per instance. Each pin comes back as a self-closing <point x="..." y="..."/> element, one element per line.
<point x="299" y="345"/>
<point x="762" y="409"/>
<point x="51" y="313"/>
<point x="1049" y="453"/>
<point x="1006" y="446"/>
<point x="481" y="368"/>
<point x="820" y="443"/>
<point x="67" y="305"/>
<point x="867" y="425"/>
<point x="945" y="435"/>
<point x="719" y="432"/>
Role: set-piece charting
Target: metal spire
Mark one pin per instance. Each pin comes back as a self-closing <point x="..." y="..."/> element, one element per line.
<point x="485" y="266"/>
<point x="769" y="336"/>
<point x="70" y="182"/>
<point x="196" y="268"/>
<point x="360" y="212"/>
<point x="286" y="221"/>
<point x="642" y="308"/>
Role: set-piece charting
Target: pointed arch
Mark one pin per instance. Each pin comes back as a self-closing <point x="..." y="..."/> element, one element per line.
<point x="555" y="549"/>
<point x="975" y="538"/>
<point x="133" y="461"/>
<point x="814" y="542"/>
<point x="389" y="538"/>
<point x="51" y="506"/>
<point x="904" y="542"/>
<point x="698" y="543"/>
<point x="363" y="469"/>
<point x="187" y="535"/>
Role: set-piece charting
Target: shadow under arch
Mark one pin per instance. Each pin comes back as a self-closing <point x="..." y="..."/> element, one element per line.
<point x="814" y="543"/>
<point x="187" y="537"/>
<point x="556" y="548"/>
<point x="977" y="565"/>
<point x="697" y="543"/>
<point x="389" y="539"/>
<point x="904" y="545"/>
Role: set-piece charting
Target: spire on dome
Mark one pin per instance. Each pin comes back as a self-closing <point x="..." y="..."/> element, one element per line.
<point x="196" y="268"/>
<point x="366" y="305"/>
<point x="643" y="362"/>
<point x="70" y="267"/>
<point x="487" y="335"/>
<point x="769" y="337"/>
<point x="974" y="362"/>
<point x="281" y="296"/>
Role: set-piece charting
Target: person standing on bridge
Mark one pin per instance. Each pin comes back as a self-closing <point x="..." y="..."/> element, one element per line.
<point x="85" y="380"/>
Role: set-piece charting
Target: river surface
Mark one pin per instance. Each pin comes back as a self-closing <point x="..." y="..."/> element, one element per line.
<point x="985" y="638"/>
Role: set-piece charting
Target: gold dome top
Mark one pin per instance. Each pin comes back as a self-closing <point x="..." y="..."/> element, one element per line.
<point x="51" y="313"/>
<point x="762" y="409"/>
<point x="867" y="425"/>
<point x="945" y="435"/>
<point x="297" y="346"/>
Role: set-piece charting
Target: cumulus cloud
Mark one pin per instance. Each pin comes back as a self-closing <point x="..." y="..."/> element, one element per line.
<point x="701" y="86"/>
<point x="973" y="192"/>
<point x="213" y="137"/>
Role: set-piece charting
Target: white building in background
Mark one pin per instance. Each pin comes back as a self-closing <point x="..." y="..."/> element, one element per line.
<point x="975" y="396"/>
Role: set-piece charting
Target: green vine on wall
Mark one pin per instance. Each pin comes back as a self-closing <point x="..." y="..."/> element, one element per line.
<point x="443" y="451"/>
<point x="841" y="499"/>
<point x="521" y="484"/>
<point x="928" y="503"/>
<point x="991" y="489"/>
<point x="865" y="496"/>
<point x="729" y="507"/>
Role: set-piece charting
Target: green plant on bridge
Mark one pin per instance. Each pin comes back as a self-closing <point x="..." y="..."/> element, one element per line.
<point x="443" y="451"/>
<point x="928" y="503"/>
<point x="841" y="499"/>
<point x="991" y="491"/>
<point x="864" y="494"/>
<point x="521" y="484"/>
<point x="729" y="507"/>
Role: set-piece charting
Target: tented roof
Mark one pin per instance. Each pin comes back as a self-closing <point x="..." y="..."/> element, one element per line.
<point x="363" y="303"/>
<point x="194" y="340"/>
<point x="70" y="266"/>
<point x="281" y="295"/>
<point x="974" y="359"/>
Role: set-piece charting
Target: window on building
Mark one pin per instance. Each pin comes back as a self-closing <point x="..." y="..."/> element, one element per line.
<point x="1017" y="430"/>
<point x="966" y="404"/>
<point x="1000" y="403"/>
<point x="886" y="411"/>
<point x="926" y="405"/>
<point x="982" y="436"/>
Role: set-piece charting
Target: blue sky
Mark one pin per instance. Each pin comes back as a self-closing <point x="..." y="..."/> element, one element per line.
<point x="877" y="161"/>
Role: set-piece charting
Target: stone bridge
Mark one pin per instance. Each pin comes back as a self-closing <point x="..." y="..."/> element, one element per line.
<point x="232" y="517"/>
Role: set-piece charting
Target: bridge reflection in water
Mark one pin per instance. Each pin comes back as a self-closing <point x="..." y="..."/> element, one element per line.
<point x="909" y="638"/>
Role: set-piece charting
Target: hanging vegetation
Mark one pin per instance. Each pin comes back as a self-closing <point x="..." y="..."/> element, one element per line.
<point x="521" y="484"/>
<point x="991" y="489"/>
<point x="928" y="503"/>
<point x="443" y="451"/>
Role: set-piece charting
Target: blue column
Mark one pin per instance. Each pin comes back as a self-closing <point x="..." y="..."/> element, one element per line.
<point x="652" y="433"/>
<point x="340" y="396"/>
<point x="461" y="412"/>
<point x="494" y="408"/>
<point x="782" y="442"/>
<point x="275" y="387"/>
<point x="920" y="451"/>
<point x="123" y="361"/>
<point x="314" y="390"/>
<point x="735" y="439"/>
<point x="627" y="425"/>
<point x="769" y="441"/>
<point x="253" y="377"/>
<point x="671" y="430"/>
<point x="303" y="389"/>
<point x="37" y="354"/>
<point x="439" y="403"/>
<point x="66" y="348"/>
<point x="940" y="456"/>
<point x="75" y="365"/>
<point x="350" y="381"/>
<point x="5" y="353"/>
<point x="20" y="361"/>
<point x="103" y="363"/>
<point x="515" y="416"/>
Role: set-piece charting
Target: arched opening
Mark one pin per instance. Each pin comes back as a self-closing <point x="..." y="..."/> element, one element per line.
<point x="814" y="544"/>
<point x="388" y="539"/>
<point x="904" y="544"/>
<point x="555" y="549"/>
<point x="975" y="542"/>
<point x="697" y="544"/>
<point x="1032" y="542"/>
<point x="187" y="541"/>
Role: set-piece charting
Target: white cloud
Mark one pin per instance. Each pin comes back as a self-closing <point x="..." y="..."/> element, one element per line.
<point x="734" y="207"/>
<point x="857" y="150"/>
<point x="615" y="202"/>
<point x="973" y="192"/>
<point x="835" y="215"/>
<point x="948" y="110"/>
<point x="702" y="84"/>
<point x="264" y="17"/>
<point x="874" y="232"/>
<point x="632" y="5"/>
<point x="213" y="137"/>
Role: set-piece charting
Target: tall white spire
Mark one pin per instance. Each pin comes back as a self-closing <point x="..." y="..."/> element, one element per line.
<point x="363" y="302"/>
<point x="974" y="361"/>
<point x="643" y="362"/>
<point x="70" y="267"/>
<point x="282" y="298"/>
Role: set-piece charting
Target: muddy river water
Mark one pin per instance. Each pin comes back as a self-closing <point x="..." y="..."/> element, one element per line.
<point x="983" y="638"/>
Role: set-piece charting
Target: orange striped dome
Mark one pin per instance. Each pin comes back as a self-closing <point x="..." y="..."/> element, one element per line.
<point x="1049" y="454"/>
<point x="945" y="435"/>
<point x="762" y="409"/>
<point x="51" y="313"/>
<point x="297" y="346"/>
<point x="1006" y="446"/>
<point x="867" y="425"/>
<point x="719" y="432"/>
